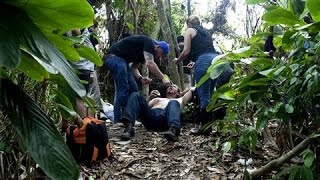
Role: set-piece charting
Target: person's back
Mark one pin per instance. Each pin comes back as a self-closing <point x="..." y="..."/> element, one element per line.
<point x="202" y="42"/>
<point x="131" y="48"/>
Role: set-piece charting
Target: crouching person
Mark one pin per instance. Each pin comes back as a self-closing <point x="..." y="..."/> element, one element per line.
<point x="157" y="114"/>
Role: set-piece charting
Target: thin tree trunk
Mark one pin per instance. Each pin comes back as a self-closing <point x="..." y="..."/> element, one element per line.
<point x="176" y="48"/>
<point x="166" y="32"/>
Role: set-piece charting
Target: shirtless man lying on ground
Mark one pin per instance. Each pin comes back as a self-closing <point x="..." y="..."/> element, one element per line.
<point x="158" y="114"/>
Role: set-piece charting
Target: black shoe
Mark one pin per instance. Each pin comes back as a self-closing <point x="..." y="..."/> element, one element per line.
<point x="200" y="131"/>
<point x="172" y="134"/>
<point x="128" y="132"/>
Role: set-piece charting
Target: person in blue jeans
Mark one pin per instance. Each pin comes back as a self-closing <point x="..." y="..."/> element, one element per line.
<point x="157" y="114"/>
<point x="123" y="60"/>
<point x="199" y="41"/>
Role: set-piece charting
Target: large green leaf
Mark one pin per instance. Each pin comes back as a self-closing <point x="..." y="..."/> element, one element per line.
<point x="9" y="48"/>
<point x="261" y="63"/>
<point x="218" y="69"/>
<point x="281" y="16"/>
<point x="313" y="6"/>
<point x="32" y="68"/>
<point x="31" y="38"/>
<point x="287" y="41"/>
<point x="64" y="46"/>
<point x="64" y="99"/>
<point x="38" y="133"/>
<point x="88" y="53"/>
<point x="57" y="14"/>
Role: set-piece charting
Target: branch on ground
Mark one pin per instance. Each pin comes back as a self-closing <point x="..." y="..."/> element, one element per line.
<point x="275" y="164"/>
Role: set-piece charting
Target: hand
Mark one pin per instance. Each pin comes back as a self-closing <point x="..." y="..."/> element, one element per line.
<point x="190" y="65"/>
<point x="175" y="60"/>
<point x="154" y="94"/>
<point x="166" y="82"/>
<point x="145" y="80"/>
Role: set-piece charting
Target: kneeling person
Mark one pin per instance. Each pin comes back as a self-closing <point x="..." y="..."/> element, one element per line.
<point x="158" y="114"/>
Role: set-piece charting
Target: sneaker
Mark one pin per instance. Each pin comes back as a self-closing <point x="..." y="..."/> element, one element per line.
<point x="128" y="132"/>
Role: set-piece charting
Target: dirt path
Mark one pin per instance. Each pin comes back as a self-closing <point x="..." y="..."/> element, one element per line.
<point x="149" y="156"/>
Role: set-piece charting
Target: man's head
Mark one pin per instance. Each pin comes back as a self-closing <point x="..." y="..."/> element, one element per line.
<point x="173" y="91"/>
<point x="193" y="20"/>
<point x="161" y="49"/>
<point x="180" y="41"/>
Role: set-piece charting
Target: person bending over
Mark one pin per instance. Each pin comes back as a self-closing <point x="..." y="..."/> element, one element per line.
<point x="135" y="49"/>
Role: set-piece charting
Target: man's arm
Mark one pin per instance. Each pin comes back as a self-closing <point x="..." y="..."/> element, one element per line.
<point x="187" y="97"/>
<point x="153" y="67"/>
<point x="135" y="69"/>
<point x="189" y="34"/>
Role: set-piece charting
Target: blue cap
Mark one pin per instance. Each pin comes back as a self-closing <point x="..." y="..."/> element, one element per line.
<point x="164" y="46"/>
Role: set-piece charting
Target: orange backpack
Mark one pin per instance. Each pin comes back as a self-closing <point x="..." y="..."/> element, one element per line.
<point x="89" y="142"/>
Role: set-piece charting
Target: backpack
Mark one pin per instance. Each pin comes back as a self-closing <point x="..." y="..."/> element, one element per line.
<point x="89" y="142"/>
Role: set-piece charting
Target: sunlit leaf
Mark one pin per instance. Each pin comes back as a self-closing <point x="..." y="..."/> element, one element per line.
<point x="279" y="71"/>
<point x="64" y="46"/>
<point x="287" y="41"/>
<point x="38" y="133"/>
<point x="57" y="14"/>
<point x="313" y="6"/>
<point x="266" y="72"/>
<point x="203" y="79"/>
<point x="261" y="64"/>
<point x="289" y="108"/>
<point x="259" y="37"/>
<point x="281" y="16"/>
<point x="293" y="80"/>
<point x="90" y="54"/>
<point x="218" y="69"/>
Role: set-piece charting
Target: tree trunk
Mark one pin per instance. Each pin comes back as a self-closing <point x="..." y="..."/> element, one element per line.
<point x="166" y="30"/>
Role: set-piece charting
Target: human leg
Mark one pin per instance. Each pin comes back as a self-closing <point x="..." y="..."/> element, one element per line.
<point x="94" y="93"/>
<point x="136" y="106"/>
<point x="119" y="69"/>
<point x="81" y="108"/>
<point x="173" y="119"/>
<point x="205" y="90"/>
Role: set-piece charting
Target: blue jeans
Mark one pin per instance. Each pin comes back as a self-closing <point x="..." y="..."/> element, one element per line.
<point x="201" y="65"/>
<point x="206" y="89"/>
<point x="152" y="119"/>
<point x="124" y="82"/>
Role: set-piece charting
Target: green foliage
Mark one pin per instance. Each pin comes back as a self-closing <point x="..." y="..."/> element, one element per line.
<point x="313" y="7"/>
<point x="38" y="133"/>
<point x="284" y="87"/>
<point x="60" y="14"/>
<point x="281" y="16"/>
<point x="32" y="43"/>
<point x="306" y="171"/>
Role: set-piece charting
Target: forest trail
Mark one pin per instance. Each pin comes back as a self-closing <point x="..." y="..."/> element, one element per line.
<point x="149" y="156"/>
